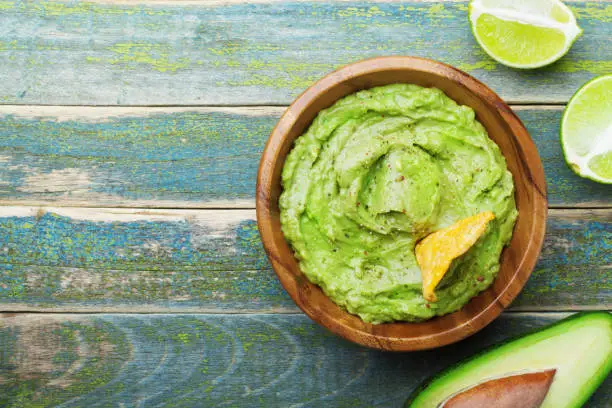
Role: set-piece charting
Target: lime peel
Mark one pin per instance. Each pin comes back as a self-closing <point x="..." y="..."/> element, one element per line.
<point x="571" y="30"/>
<point x="586" y="130"/>
<point x="509" y="48"/>
<point x="601" y="146"/>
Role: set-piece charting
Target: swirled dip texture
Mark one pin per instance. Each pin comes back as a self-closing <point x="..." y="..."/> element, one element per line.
<point x="377" y="172"/>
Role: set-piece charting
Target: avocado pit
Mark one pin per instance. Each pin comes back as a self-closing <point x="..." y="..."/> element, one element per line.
<point x="526" y="390"/>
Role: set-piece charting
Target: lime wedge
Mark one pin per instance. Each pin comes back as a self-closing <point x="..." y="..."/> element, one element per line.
<point x="523" y="33"/>
<point x="586" y="130"/>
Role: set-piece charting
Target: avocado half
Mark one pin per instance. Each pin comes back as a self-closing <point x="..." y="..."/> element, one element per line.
<point x="559" y="366"/>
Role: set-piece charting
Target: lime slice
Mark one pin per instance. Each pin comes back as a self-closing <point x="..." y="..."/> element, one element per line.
<point x="586" y="130"/>
<point x="523" y="33"/>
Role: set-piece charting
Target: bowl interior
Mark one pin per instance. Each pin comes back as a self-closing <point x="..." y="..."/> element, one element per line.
<point x="503" y="127"/>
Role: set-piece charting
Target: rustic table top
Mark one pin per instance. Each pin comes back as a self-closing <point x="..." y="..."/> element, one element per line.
<point x="130" y="134"/>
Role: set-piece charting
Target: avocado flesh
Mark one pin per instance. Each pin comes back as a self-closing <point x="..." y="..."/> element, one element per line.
<point x="579" y="348"/>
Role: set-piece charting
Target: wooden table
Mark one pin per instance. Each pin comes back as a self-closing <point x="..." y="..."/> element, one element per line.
<point x="130" y="134"/>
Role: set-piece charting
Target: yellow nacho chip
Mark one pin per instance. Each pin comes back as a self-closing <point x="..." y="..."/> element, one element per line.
<point x="436" y="251"/>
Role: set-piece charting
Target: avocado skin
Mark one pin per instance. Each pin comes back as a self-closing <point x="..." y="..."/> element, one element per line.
<point x="601" y="376"/>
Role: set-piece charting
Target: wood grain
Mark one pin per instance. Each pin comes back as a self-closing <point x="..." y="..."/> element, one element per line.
<point x="124" y="260"/>
<point x="161" y="53"/>
<point x="222" y="52"/>
<point x="187" y="157"/>
<point x="217" y="360"/>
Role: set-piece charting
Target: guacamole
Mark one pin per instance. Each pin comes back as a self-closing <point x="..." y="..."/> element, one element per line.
<point x="377" y="172"/>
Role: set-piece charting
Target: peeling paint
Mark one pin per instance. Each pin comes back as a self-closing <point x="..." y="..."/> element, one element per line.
<point x="68" y="181"/>
<point x="593" y="11"/>
<point x="155" y="55"/>
<point x="253" y="54"/>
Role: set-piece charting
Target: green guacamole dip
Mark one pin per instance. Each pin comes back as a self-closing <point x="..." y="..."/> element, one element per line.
<point x="377" y="172"/>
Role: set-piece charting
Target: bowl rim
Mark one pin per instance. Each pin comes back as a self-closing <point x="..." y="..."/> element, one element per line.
<point x="535" y="176"/>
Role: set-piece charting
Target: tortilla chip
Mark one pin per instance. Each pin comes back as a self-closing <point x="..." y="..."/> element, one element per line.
<point x="436" y="251"/>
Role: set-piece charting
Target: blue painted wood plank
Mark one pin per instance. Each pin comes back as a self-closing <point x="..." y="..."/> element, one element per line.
<point x="218" y="360"/>
<point x="178" y="159"/>
<point x="175" y="158"/>
<point x="83" y="53"/>
<point x="205" y="260"/>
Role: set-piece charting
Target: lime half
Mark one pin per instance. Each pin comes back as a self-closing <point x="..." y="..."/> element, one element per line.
<point x="586" y="130"/>
<point x="523" y="33"/>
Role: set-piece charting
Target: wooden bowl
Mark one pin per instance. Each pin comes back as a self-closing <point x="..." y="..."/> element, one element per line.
<point x="503" y="126"/>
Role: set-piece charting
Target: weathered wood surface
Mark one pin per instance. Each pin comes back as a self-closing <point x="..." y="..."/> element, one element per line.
<point x="186" y="157"/>
<point x="69" y="259"/>
<point x="223" y="53"/>
<point x="236" y="53"/>
<point x="217" y="361"/>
